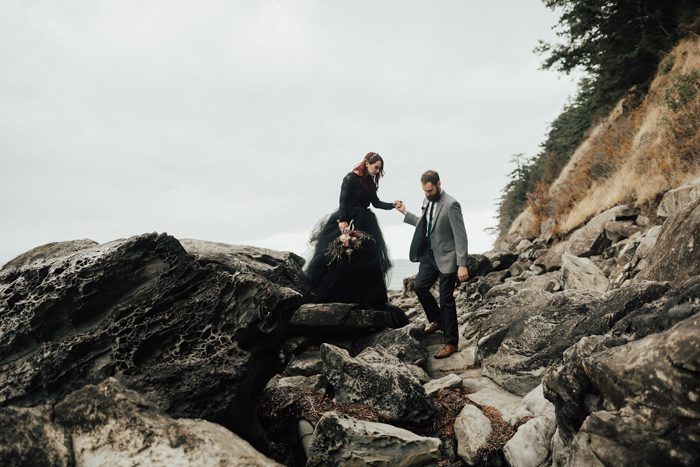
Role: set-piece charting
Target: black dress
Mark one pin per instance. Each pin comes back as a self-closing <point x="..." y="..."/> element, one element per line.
<point x="361" y="278"/>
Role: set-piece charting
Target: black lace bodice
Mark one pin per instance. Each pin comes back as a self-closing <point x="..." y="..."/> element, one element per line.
<point x="356" y="195"/>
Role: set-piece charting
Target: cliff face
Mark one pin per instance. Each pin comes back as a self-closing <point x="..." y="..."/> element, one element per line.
<point x="647" y="145"/>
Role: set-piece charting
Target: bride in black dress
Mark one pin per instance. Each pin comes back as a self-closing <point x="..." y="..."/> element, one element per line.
<point x="361" y="277"/>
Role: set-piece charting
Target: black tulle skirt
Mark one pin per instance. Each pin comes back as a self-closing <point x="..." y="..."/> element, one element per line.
<point x="360" y="279"/>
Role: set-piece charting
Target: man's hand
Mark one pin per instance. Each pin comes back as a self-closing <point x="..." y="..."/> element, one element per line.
<point x="462" y="273"/>
<point x="398" y="204"/>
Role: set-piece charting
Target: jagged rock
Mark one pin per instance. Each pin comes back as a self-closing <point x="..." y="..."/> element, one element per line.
<point x="647" y="242"/>
<point x="535" y="403"/>
<point x="523" y="334"/>
<point x="502" y="260"/>
<point x="633" y="404"/>
<point x="523" y="245"/>
<point x="551" y="259"/>
<point x="582" y="274"/>
<point x="530" y="446"/>
<point x="305" y="364"/>
<point x="478" y="265"/>
<point x="198" y="340"/>
<point x="324" y="319"/>
<point x="29" y="437"/>
<point x="472" y="429"/>
<point x="547" y="229"/>
<point x="590" y="239"/>
<point x="45" y="255"/>
<point x="340" y="440"/>
<point x="446" y="382"/>
<point x="518" y="268"/>
<point x="676" y="255"/>
<point x="618" y="230"/>
<point x="678" y="199"/>
<point x="377" y="378"/>
<point x="110" y="425"/>
<point x="281" y="267"/>
<point x="401" y="343"/>
<point x="315" y="382"/>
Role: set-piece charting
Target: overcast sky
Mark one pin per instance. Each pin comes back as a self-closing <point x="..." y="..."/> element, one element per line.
<point x="235" y="121"/>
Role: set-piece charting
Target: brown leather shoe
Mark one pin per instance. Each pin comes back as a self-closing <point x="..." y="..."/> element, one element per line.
<point x="432" y="327"/>
<point x="446" y="351"/>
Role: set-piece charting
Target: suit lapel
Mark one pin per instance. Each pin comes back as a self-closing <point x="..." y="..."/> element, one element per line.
<point x="438" y="207"/>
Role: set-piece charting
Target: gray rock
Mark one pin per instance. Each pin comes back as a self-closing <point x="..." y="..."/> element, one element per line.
<point x="547" y="229"/>
<point x="478" y="265"/>
<point x="535" y="403"/>
<point x="642" y="401"/>
<point x="147" y="310"/>
<point x="378" y="379"/>
<point x="676" y="254"/>
<point x="29" y="437"/>
<point x="472" y="429"/>
<point x="582" y="274"/>
<point x="446" y="382"/>
<point x="305" y="364"/>
<point x="678" y="199"/>
<point x="340" y="440"/>
<point x="315" y="382"/>
<point x="619" y="230"/>
<point x="521" y="335"/>
<point x="531" y="444"/>
<point x="281" y="267"/>
<point x="643" y="221"/>
<point x="590" y="239"/>
<point x="45" y="255"/>
<point x="110" y="425"/>
<point x="324" y="319"/>
<point x="551" y="259"/>
<point x="401" y="343"/>
<point x="647" y="242"/>
<point x="502" y="260"/>
<point x="510" y="406"/>
<point x="523" y="245"/>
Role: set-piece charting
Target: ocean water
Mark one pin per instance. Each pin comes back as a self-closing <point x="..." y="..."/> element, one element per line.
<point x="402" y="268"/>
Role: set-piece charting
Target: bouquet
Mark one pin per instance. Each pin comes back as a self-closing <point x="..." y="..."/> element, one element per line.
<point x="349" y="241"/>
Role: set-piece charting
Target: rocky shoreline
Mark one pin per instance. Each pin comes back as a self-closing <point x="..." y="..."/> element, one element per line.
<point x="575" y="351"/>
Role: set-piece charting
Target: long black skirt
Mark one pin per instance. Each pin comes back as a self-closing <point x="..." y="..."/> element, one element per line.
<point x="360" y="278"/>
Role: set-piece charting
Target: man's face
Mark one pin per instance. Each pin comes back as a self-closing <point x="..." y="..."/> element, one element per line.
<point x="432" y="191"/>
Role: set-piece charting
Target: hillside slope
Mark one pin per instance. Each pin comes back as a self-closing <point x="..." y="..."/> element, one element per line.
<point x="647" y="145"/>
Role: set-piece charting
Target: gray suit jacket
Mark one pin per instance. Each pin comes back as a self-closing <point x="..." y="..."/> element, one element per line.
<point x="448" y="238"/>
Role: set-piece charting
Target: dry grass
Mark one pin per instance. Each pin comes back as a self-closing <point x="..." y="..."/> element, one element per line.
<point x="639" y="152"/>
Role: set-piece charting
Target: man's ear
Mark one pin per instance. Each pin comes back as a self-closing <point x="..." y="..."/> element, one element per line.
<point x="439" y="184"/>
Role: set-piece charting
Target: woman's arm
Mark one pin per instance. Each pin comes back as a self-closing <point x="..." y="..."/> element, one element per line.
<point x="381" y="204"/>
<point x="344" y="199"/>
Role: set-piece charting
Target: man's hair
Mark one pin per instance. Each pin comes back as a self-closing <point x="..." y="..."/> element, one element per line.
<point x="430" y="176"/>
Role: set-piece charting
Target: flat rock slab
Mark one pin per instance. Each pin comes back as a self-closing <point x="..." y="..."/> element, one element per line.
<point x="455" y="363"/>
<point x="509" y="405"/>
<point x="446" y="382"/>
<point x="322" y="319"/>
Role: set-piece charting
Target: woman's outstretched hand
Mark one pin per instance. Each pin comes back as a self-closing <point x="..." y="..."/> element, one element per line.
<point x="398" y="204"/>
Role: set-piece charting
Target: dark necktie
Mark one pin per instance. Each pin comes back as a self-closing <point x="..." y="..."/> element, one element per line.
<point x="430" y="223"/>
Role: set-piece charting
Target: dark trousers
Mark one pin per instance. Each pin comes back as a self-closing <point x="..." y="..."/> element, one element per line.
<point x="446" y="313"/>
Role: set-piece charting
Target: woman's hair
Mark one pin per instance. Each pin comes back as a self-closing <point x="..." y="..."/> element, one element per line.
<point x="361" y="168"/>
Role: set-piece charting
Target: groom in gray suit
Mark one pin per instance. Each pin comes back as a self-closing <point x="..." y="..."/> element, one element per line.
<point x="440" y="244"/>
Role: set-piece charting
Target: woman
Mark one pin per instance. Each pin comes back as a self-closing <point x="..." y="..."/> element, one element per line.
<point x="360" y="277"/>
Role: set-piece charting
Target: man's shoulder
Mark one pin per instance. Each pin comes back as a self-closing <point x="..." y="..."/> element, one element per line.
<point x="447" y="199"/>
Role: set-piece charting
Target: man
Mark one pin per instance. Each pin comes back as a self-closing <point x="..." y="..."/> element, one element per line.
<point x="440" y="244"/>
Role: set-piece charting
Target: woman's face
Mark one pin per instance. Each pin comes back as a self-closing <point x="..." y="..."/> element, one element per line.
<point x="373" y="169"/>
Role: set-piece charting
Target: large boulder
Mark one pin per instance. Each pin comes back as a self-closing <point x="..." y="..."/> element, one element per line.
<point x="402" y="343"/>
<point x="631" y="404"/>
<point x="582" y="274"/>
<point x="472" y="430"/>
<point x="377" y="378"/>
<point x="340" y="440"/>
<point x="678" y="199"/>
<point x="199" y="340"/>
<point x="107" y="424"/>
<point x="281" y="267"/>
<point x="525" y="333"/>
<point x="676" y="255"/>
<point x="591" y="239"/>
